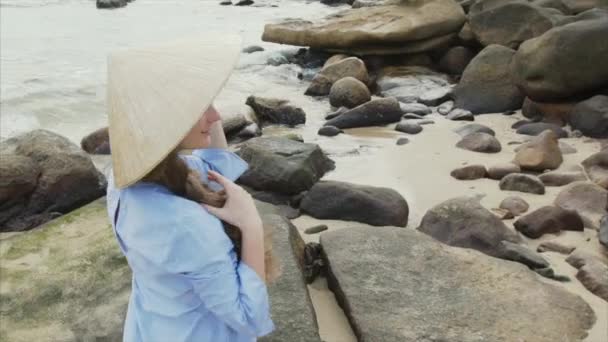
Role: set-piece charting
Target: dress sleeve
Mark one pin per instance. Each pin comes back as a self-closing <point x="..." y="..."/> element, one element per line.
<point x="231" y="290"/>
<point x="219" y="160"/>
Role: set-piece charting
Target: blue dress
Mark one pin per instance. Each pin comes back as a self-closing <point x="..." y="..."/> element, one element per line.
<point x="187" y="283"/>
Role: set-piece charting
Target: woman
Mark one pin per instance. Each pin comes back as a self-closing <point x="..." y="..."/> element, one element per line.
<point x="188" y="283"/>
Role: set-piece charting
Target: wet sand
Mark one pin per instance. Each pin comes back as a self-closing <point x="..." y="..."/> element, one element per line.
<point x="420" y="171"/>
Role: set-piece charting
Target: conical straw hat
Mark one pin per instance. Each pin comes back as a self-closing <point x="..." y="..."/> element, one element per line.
<point x="156" y="94"/>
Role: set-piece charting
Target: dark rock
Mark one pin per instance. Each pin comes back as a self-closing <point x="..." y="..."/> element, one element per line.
<point x="415" y="108"/>
<point x="474" y="128"/>
<point x="536" y="128"/>
<point x="373" y="113"/>
<point x="561" y="178"/>
<point x="523" y="255"/>
<point x="460" y="115"/>
<point x="402" y="141"/>
<point x="523" y="183"/>
<point x="313" y="262"/>
<point x="485" y="86"/>
<point x="463" y="222"/>
<point x="412" y="116"/>
<point x="591" y="117"/>
<point x="97" y="142"/>
<point x="445" y="108"/>
<point x="596" y="167"/>
<point x="480" y="142"/>
<point x="540" y="153"/>
<point x="456" y="59"/>
<point x="18" y="178"/>
<point x="594" y="276"/>
<point x="352" y="202"/>
<point x="495" y="25"/>
<point x="316" y="229"/>
<point x="352" y="66"/>
<point x="226" y="3"/>
<point x="329" y="131"/>
<point x="550" y="68"/>
<point x="234" y="124"/>
<point x="436" y="96"/>
<point x="547" y="220"/>
<point x="252" y="48"/>
<point x="426" y="272"/>
<point x="348" y="92"/>
<point x="244" y="3"/>
<point x="469" y="172"/>
<point x="66" y="179"/>
<point x="602" y="235"/>
<point x="408" y="127"/>
<point x="554" y="246"/>
<point x="515" y="205"/>
<point x="109" y="4"/>
<point x="587" y="199"/>
<point x="335" y="114"/>
<point x="250" y="131"/>
<point x="275" y="111"/>
<point x="282" y="165"/>
<point x="520" y="123"/>
<point x="499" y="171"/>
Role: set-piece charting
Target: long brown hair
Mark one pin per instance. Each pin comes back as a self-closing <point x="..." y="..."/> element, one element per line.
<point x="174" y="174"/>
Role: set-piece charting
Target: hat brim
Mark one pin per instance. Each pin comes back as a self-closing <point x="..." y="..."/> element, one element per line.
<point x="156" y="94"/>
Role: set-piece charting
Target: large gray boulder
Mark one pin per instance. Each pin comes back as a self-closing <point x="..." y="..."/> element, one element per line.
<point x="463" y="222"/>
<point x="352" y="202"/>
<point x="376" y="112"/>
<point x="596" y="167"/>
<point x="44" y="175"/>
<point x="486" y="86"/>
<point x="74" y="262"/>
<point x="503" y="24"/>
<point x="399" y="285"/>
<point x="552" y="67"/>
<point x="591" y="117"/>
<point x="384" y="26"/>
<point x="283" y="165"/>
<point x="588" y="199"/>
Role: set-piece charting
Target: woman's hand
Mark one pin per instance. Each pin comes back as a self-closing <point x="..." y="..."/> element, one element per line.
<point x="239" y="209"/>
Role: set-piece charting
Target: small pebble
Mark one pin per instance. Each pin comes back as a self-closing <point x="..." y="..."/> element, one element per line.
<point x="316" y="229"/>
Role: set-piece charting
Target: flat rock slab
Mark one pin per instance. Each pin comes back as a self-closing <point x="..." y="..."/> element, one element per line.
<point x="382" y="25"/>
<point x="397" y="284"/>
<point x="290" y="305"/>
